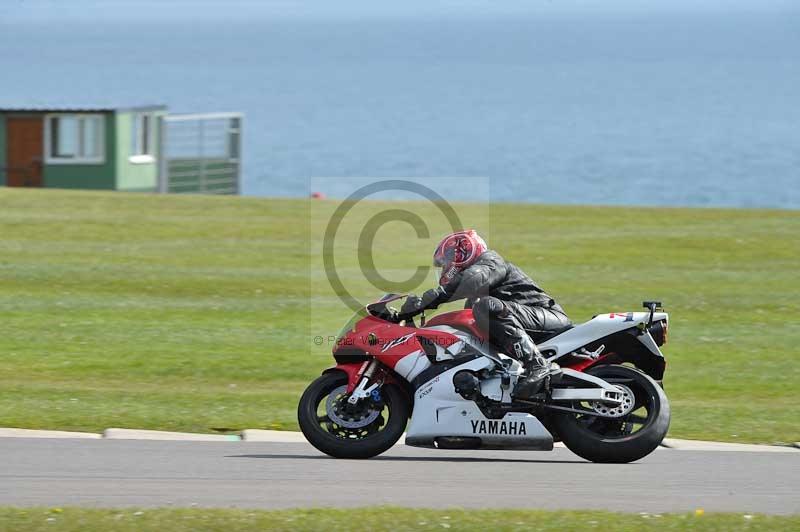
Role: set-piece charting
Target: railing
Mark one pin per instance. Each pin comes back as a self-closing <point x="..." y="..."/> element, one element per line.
<point x="201" y="153"/>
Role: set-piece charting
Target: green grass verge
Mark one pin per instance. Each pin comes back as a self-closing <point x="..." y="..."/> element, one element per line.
<point x="198" y="313"/>
<point x="378" y="518"/>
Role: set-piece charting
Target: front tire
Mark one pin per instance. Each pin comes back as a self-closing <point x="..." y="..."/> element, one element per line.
<point x="376" y="436"/>
<point x="606" y="440"/>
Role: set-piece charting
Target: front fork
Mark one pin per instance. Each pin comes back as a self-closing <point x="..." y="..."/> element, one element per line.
<point x="367" y="386"/>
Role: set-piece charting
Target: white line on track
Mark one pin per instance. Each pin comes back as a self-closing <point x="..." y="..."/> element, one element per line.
<point x="281" y="436"/>
<point x="132" y="434"/>
<point x="27" y="433"/>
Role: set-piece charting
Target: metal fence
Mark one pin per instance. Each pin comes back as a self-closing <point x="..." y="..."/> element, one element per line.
<point x="201" y="153"/>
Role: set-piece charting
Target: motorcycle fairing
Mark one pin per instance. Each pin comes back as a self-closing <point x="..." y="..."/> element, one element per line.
<point x="441" y="415"/>
<point x="449" y="334"/>
<point x="601" y="326"/>
<point x="619" y="333"/>
<point x="397" y="347"/>
<point x="459" y="319"/>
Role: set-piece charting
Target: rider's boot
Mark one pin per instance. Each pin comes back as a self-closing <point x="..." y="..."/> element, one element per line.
<point x="536" y="368"/>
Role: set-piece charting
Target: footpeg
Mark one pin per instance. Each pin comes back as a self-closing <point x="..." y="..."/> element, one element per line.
<point x="594" y="355"/>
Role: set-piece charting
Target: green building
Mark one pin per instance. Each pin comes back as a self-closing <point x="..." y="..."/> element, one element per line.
<point x="81" y="147"/>
<point x="123" y="148"/>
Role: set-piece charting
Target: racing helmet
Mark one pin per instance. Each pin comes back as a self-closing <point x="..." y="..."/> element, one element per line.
<point x="456" y="252"/>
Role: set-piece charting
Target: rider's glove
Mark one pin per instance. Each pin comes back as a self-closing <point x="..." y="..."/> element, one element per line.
<point x="431" y="297"/>
<point x="412" y="304"/>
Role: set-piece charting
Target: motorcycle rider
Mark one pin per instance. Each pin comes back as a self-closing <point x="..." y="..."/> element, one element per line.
<point x="504" y="300"/>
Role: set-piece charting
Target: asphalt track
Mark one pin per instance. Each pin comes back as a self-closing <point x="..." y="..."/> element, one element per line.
<point x="67" y="472"/>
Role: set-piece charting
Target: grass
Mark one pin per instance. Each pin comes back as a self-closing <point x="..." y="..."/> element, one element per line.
<point x="198" y="313"/>
<point x="377" y="518"/>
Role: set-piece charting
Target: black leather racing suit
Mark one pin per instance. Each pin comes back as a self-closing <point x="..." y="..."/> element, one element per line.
<point x="507" y="304"/>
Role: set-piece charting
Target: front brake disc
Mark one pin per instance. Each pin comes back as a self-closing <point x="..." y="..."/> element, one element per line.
<point x="344" y="415"/>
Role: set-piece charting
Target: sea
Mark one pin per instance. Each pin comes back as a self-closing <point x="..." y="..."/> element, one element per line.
<point x="679" y="106"/>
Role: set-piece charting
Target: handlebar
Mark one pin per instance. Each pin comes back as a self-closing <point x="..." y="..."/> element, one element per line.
<point x="408" y="315"/>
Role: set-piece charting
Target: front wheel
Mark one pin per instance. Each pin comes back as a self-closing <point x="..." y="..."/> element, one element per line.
<point x="636" y="429"/>
<point x="341" y="430"/>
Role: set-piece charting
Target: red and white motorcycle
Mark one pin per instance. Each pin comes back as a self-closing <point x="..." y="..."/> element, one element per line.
<point x="606" y="405"/>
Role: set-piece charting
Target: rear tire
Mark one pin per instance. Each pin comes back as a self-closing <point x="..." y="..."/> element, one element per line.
<point x="618" y="448"/>
<point x="334" y="445"/>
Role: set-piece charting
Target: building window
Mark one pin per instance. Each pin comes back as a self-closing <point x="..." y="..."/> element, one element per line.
<point x="75" y="139"/>
<point x="142" y="135"/>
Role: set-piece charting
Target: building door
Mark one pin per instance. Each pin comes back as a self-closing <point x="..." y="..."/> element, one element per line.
<point x="25" y="142"/>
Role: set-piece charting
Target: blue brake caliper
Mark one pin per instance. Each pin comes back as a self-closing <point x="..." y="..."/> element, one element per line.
<point x="376" y="395"/>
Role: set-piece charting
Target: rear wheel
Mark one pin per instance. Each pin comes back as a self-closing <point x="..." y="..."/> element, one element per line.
<point x="636" y="429"/>
<point x="342" y="430"/>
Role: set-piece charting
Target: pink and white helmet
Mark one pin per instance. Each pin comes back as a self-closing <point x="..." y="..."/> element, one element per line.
<point x="456" y="252"/>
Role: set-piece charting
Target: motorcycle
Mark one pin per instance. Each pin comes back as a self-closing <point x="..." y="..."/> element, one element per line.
<point x="604" y="399"/>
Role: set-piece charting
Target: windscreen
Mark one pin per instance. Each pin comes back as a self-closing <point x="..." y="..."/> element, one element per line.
<point x="372" y="308"/>
<point x="351" y="323"/>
